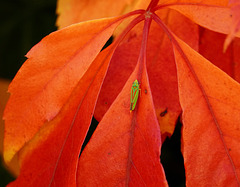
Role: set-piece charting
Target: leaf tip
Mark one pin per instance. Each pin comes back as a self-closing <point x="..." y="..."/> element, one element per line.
<point x="227" y="42"/>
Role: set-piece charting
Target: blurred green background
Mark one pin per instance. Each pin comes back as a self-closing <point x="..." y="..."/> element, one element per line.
<point x="23" y="23"/>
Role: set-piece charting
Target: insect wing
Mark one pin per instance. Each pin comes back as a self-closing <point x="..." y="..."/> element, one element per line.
<point x="134" y="95"/>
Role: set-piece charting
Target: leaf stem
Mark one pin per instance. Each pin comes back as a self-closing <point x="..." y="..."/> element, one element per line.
<point x="152" y="4"/>
<point x="140" y="65"/>
<point x="143" y="50"/>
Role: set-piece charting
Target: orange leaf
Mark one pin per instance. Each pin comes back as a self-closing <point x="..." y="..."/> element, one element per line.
<point x="161" y="68"/>
<point x="51" y="157"/>
<point x="47" y="78"/>
<point x="235" y="27"/>
<point x="211" y="16"/>
<point x="74" y="11"/>
<point x="211" y="129"/>
<point x="60" y="99"/>
<point x="125" y="148"/>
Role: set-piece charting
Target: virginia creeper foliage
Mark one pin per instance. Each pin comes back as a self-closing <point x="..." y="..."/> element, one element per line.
<point x="166" y="45"/>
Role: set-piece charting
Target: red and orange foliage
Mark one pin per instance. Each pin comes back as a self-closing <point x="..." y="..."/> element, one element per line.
<point x="163" y="44"/>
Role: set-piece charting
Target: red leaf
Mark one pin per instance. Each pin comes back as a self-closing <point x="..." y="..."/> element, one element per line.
<point x="59" y="99"/>
<point x="47" y="78"/>
<point x="125" y="148"/>
<point x="161" y="67"/>
<point x="64" y="135"/>
<point x="211" y="130"/>
<point x="228" y="61"/>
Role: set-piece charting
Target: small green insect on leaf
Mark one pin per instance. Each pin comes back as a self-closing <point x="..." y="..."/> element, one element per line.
<point x="134" y="94"/>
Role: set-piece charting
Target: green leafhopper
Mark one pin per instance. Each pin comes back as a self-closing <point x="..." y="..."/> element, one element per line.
<point x="134" y="94"/>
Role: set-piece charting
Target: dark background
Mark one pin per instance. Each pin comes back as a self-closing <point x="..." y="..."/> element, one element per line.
<point x="23" y="23"/>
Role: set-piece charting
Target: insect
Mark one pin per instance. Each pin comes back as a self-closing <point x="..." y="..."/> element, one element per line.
<point x="134" y="94"/>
